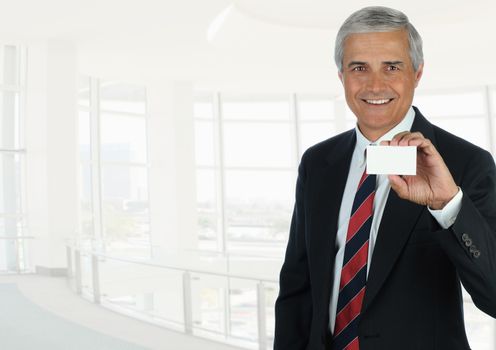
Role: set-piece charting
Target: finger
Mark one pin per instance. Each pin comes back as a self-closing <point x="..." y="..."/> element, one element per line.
<point x="405" y="139"/>
<point x="384" y="143"/>
<point x="400" y="135"/>
<point x="396" y="139"/>
<point x="399" y="185"/>
<point x="424" y="145"/>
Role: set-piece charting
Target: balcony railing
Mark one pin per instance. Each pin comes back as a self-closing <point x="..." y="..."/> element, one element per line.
<point x="231" y="308"/>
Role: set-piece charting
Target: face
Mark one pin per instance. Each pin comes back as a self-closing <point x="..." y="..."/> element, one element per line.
<point x="378" y="79"/>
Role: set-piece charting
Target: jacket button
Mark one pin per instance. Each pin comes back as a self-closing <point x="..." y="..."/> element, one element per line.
<point x="476" y="254"/>
<point x="465" y="237"/>
<point x="468" y="242"/>
<point x="473" y="248"/>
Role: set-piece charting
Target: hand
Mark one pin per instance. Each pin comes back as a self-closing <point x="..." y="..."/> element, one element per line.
<point x="433" y="185"/>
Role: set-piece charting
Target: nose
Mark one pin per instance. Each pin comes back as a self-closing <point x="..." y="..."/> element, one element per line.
<point x="376" y="83"/>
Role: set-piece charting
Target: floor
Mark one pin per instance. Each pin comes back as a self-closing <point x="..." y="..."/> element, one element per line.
<point x="42" y="313"/>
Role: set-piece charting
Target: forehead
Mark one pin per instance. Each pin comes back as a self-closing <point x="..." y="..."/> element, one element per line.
<point x="388" y="45"/>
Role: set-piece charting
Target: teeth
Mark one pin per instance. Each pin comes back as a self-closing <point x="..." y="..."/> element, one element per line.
<point x="378" y="102"/>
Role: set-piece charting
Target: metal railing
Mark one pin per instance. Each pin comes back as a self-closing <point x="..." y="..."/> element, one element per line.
<point x="76" y="268"/>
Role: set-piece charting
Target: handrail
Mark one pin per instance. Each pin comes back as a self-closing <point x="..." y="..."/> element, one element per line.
<point x="236" y="254"/>
<point x="169" y="267"/>
<point x="10" y="150"/>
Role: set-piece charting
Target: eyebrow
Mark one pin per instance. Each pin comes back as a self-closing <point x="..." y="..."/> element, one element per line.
<point x="392" y="62"/>
<point x="356" y="63"/>
<point x="361" y="63"/>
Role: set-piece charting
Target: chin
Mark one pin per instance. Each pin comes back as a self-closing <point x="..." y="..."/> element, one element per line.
<point x="377" y="126"/>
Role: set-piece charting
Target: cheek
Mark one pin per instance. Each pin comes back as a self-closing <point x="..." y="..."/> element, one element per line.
<point x="352" y="88"/>
<point x="403" y="86"/>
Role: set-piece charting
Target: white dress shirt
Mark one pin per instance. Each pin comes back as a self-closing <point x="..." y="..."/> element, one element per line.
<point x="446" y="217"/>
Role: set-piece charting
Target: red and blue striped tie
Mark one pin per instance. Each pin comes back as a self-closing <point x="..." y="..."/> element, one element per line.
<point x="354" y="271"/>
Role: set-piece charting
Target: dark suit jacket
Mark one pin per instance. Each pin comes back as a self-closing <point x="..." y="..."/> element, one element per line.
<point x="413" y="298"/>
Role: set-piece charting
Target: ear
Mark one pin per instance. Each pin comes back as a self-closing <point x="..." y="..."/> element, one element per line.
<point x="340" y="75"/>
<point x="418" y="74"/>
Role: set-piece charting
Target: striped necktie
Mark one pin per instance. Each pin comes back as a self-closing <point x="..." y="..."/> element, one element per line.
<point x="354" y="270"/>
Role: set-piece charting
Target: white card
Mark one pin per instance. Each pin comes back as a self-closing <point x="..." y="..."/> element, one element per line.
<point x="394" y="160"/>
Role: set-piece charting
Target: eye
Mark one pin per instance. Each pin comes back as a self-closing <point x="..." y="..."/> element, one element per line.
<point x="392" y="67"/>
<point x="358" y="68"/>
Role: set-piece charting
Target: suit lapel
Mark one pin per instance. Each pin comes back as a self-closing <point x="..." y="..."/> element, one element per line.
<point x="398" y="221"/>
<point x="332" y="186"/>
<point x="326" y="197"/>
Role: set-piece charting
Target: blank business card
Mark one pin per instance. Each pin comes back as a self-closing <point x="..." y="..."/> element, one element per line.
<point x="393" y="160"/>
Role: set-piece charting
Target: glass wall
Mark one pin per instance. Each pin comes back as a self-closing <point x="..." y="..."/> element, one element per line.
<point x="113" y="183"/>
<point x="462" y="112"/>
<point x="14" y="244"/>
<point x="247" y="150"/>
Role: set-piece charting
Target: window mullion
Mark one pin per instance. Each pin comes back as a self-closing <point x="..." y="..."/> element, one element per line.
<point x="295" y="118"/>
<point x="95" y="151"/>
<point x="221" y="192"/>
<point x="489" y="115"/>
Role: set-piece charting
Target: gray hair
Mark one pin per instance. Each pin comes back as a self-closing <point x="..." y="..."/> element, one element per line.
<point x="379" y="19"/>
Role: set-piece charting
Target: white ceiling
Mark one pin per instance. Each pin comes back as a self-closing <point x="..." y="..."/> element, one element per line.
<point x="330" y="14"/>
<point x="283" y="40"/>
<point x="166" y="19"/>
<point x="90" y="19"/>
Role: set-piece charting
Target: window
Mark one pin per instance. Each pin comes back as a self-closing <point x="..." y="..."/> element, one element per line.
<point x="463" y="113"/>
<point x="210" y="216"/>
<point x="243" y="149"/>
<point x="13" y="249"/>
<point x="114" y="201"/>
<point x="247" y="152"/>
<point x="258" y="163"/>
<point x="317" y="121"/>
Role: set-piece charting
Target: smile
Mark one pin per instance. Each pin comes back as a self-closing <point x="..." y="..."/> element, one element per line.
<point x="379" y="102"/>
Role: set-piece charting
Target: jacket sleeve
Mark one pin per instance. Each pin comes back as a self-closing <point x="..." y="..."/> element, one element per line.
<point x="293" y="307"/>
<point x="470" y="242"/>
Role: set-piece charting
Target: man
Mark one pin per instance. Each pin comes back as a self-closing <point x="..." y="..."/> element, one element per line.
<point x="375" y="261"/>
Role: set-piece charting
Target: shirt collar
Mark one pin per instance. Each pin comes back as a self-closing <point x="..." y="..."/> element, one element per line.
<point x="404" y="125"/>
